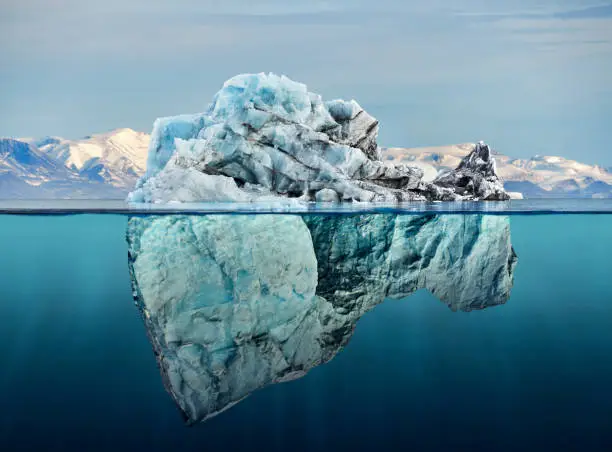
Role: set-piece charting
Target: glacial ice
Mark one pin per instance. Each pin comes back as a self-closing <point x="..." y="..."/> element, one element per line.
<point x="165" y="132"/>
<point x="267" y="136"/>
<point x="466" y="261"/>
<point x="233" y="303"/>
<point x="229" y="302"/>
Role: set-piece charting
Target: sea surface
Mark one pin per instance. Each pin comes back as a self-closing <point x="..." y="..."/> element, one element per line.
<point x="512" y="352"/>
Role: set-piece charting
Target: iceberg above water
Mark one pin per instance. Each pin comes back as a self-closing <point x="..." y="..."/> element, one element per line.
<point x="233" y="303"/>
<point x="266" y="137"/>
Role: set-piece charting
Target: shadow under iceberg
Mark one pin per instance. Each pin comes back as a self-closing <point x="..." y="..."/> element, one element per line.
<point x="233" y="303"/>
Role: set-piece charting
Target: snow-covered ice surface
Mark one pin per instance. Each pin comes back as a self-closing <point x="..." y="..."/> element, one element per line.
<point x="266" y="137"/>
<point x="236" y="303"/>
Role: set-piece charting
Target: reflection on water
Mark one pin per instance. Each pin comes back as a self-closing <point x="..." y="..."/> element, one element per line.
<point x="233" y="303"/>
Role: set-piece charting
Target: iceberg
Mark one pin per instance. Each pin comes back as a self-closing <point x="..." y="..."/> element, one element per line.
<point x="234" y="303"/>
<point x="475" y="177"/>
<point x="265" y="136"/>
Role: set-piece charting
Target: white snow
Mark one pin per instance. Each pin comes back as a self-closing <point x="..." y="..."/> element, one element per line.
<point x="122" y="152"/>
<point x="187" y="185"/>
<point x="515" y="195"/>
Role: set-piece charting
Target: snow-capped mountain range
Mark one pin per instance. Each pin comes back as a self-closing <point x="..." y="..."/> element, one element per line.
<point x="104" y="165"/>
<point x="107" y="165"/>
<point x="536" y="177"/>
<point x="116" y="158"/>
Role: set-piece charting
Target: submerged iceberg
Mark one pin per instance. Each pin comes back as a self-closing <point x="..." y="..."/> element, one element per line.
<point x="265" y="136"/>
<point x="233" y="303"/>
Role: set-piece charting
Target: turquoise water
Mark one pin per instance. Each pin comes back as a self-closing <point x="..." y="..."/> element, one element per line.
<point x="78" y="372"/>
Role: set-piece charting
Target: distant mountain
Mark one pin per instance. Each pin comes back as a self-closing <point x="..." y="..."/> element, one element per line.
<point x="116" y="158"/>
<point x="107" y="165"/>
<point x="25" y="170"/>
<point x="537" y="177"/>
<point x="12" y="187"/>
<point x="95" y="167"/>
<point x="28" y="163"/>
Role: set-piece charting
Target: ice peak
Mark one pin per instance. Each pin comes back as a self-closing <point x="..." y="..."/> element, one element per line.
<point x="267" y="135"/>
<point x="122" y="133"/>
<point x="258" y="98"/>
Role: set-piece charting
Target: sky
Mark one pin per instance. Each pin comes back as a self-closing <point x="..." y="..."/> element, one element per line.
<point x="530" y="77"/>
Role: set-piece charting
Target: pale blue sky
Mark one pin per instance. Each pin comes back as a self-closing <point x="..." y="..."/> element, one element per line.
<point x="529" y="76"/>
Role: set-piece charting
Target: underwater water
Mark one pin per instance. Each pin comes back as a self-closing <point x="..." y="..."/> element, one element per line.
<point x="428" y="331"/>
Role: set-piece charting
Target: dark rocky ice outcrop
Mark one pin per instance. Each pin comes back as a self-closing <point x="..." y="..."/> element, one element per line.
<point x="475" y="177"/>
<point x="267" y="137"/>
<point x="233" y="303"/>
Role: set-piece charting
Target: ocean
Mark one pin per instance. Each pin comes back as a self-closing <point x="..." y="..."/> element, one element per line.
<point x="397" y="330"/>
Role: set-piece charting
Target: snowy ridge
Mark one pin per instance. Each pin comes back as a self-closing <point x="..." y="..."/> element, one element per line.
<point x="28" y="163"/>
<point x="117" y="157"/>
<point x="100" y="166"/>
